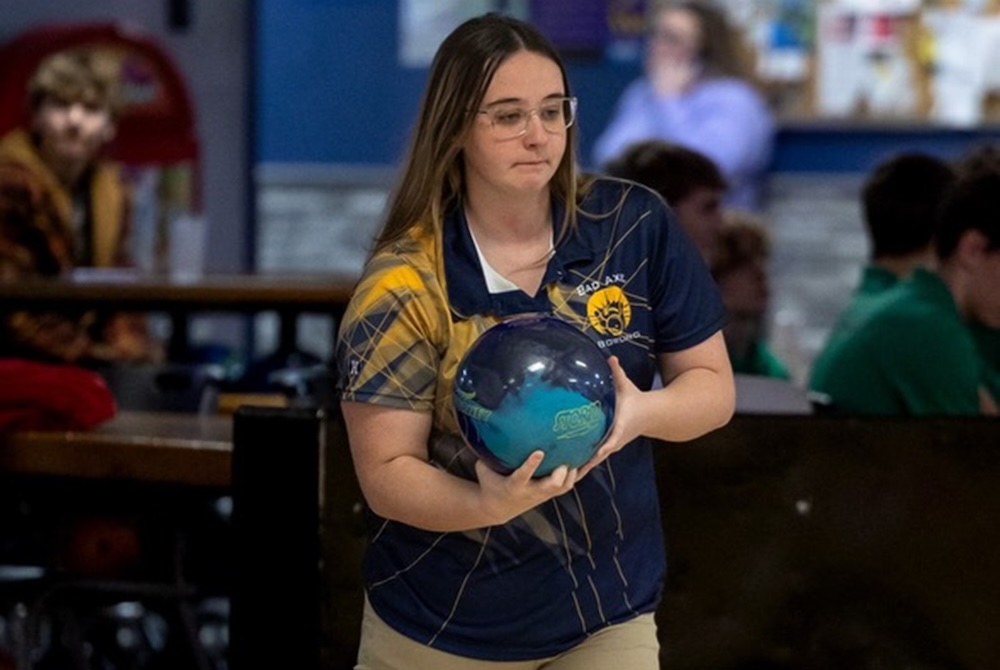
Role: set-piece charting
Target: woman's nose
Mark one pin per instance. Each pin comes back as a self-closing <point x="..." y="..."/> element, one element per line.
<point x="75" y="112"/>
<point x="534" y="131"/>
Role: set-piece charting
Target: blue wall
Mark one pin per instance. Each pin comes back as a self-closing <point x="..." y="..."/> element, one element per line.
<point x="330" y="90"/>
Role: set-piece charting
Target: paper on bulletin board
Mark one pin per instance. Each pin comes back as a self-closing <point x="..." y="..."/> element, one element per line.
<point x="840" y="61"/>
<point x="423" y="24"/>
<point x="878" y="6"/>
<point x="863" y="60"/>
<point x="889" y="82"/>
<point x="966" y="59"/>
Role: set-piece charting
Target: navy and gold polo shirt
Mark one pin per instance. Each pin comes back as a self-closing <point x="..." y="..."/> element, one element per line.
<point x="630" y="278"/>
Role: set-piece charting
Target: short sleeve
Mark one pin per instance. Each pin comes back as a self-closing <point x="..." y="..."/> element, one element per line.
<point x="386" y="347"/>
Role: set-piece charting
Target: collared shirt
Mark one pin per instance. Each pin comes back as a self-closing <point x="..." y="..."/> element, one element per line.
<point x="538" y="585"/>
<point x="909" y="354"/>
<point x="870" y="291"/>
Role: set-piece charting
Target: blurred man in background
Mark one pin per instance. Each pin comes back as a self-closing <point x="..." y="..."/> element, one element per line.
<point x="62" y="207"/>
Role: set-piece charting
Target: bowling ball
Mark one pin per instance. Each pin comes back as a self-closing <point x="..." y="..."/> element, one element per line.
<point x="101" y="546"/>
<point x="534" y="382"/>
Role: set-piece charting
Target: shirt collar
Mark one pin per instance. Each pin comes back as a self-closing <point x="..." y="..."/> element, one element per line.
<point x="467" y="292"/>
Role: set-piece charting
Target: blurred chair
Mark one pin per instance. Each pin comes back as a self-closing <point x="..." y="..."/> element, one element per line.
<point x="768" y="395"/>
<point x="169" y="387"/>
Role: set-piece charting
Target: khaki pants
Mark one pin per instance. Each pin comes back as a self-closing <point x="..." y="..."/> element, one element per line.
<point x="632" y="645"/>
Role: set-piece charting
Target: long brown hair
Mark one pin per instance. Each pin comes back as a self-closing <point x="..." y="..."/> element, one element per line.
<point x="432" y="176"/>
<point x="723" y="51"/>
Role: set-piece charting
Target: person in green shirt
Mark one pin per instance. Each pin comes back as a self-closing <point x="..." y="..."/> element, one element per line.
<point x="899" y="199"/>
<point x="912" y="352"/>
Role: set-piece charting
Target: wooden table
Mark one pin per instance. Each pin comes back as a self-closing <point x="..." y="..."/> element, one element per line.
<point x="110" y="515"/>
<point x="148" y="447"/>
<point x="289" y="295"/>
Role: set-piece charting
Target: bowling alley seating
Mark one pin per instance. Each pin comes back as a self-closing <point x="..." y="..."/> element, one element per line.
<point x="758" y="515"/>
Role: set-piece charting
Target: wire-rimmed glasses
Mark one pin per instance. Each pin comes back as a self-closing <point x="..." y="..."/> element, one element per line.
<point x="509" y="120"/>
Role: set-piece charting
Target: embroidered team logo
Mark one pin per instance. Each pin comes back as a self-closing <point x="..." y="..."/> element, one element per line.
<point x="609" y="311"/>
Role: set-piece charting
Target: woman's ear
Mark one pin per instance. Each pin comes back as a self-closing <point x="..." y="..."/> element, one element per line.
<point x="972" y="248"/>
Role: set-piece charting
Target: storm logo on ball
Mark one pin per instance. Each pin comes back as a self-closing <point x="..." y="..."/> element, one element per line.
<point x="529" y="383"/>
<point x="573" y="423"/>
<point x="467" y="405"/>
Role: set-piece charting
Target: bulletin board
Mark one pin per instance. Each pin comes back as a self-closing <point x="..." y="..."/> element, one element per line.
<point x="905" y="59"/>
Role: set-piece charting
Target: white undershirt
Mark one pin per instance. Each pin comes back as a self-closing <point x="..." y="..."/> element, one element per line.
<point x="495" y="282"/>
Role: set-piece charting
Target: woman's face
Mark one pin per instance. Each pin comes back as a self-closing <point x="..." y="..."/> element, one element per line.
<point x="676" y="36"/>
<point x="497" y="162"/>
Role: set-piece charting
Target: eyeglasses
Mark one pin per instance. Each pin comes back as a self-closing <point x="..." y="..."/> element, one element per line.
<point x="510" y="121"/>
<point x="672" y="38"/>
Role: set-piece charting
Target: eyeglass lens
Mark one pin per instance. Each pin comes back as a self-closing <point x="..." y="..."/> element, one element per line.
<point x="554" y="115"/>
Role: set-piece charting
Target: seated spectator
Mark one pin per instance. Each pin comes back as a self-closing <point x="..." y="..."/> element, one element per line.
<point x="697" y="90"/>
<point x="985" y="158"/>
<point x="62" y="206"/>
<point x="690" y="182"/>
<point x="900" y="199"/>
<point x="913" y="352"/>
<point x="740" y="269"/>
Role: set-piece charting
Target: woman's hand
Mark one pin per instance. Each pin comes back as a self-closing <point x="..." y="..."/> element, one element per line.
<point x="672" y="76"/>
<point x="698" y="396"/>
<point x="625" y="428"/>
<point x="504" y="497"/>
<point x="399" y="482"/>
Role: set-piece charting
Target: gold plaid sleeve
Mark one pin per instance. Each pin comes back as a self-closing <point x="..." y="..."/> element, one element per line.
<point x="389" y="345"/>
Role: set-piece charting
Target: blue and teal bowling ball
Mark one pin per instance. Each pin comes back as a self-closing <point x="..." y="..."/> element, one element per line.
<point x="534" y="382"/>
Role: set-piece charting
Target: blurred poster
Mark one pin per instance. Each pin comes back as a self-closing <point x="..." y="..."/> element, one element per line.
<point x="966" y="63"/>
<point x="782" y="34"/>
<point x="626" y="20"/>
<point x="863" y="62"/>
<point x="423" y="24"/>
<point x="575" y="27"/>
<point x="840" y="61"/>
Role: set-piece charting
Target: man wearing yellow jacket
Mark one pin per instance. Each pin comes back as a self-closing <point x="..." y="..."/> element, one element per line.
<point x="63" y="206"/>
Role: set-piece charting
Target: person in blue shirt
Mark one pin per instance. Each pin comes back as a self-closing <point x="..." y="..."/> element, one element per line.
<point x="467" y="567"/>
<point x="697" y="92"/>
